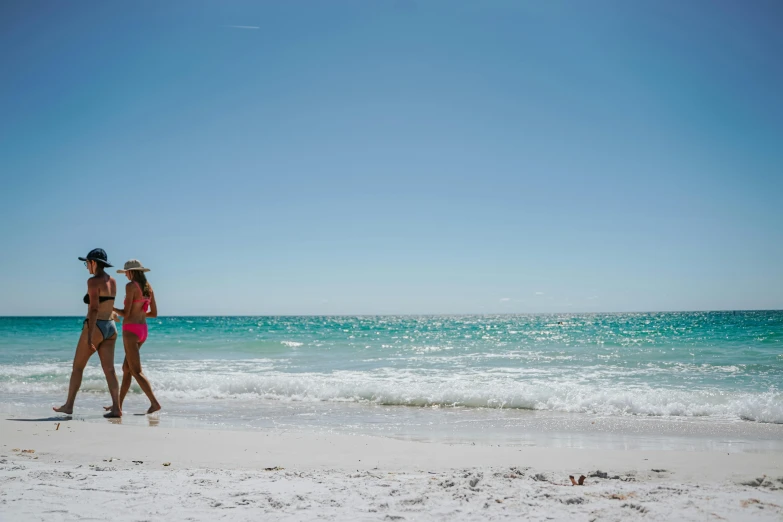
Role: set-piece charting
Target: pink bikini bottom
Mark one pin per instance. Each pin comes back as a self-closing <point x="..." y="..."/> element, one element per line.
<point x="139" y="330"/>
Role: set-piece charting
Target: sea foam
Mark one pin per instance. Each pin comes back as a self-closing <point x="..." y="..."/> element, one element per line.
<point x="219" y="380"/>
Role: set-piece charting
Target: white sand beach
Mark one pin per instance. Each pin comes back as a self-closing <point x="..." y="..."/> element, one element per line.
<point x="94" y="471"/>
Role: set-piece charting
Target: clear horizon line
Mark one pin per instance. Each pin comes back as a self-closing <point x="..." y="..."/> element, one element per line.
<point x="727" y="310"/>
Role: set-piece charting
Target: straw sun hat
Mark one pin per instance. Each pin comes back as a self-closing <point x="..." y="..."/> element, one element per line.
<point x="133" y="264"/>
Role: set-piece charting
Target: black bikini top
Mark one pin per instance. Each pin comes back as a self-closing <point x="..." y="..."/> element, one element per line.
<point x="101" y="299"/>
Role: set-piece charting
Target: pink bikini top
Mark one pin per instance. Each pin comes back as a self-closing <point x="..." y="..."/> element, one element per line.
<point x="146" y="300"/>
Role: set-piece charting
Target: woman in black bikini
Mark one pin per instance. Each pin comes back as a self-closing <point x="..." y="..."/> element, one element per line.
<point x="99" y="333"/>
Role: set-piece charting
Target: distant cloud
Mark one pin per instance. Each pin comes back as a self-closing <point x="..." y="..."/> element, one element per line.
<point x="505" y="299"/>
<point x="242" y="26"/>
<point x="591" y="298"/>
<point x="539" y="293"/>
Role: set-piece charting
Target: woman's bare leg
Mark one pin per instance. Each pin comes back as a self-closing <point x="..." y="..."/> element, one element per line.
<point x="132" y="347"/>
<point x="106" y="353"/>
<point x="127" y="377"/>
<point x="80" y="359"/>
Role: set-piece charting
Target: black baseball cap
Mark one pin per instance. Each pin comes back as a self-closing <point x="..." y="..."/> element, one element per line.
<point x="97" y="254"/>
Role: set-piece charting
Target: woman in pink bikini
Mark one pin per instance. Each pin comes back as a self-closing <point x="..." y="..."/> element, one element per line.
<point x="139" y="304"/>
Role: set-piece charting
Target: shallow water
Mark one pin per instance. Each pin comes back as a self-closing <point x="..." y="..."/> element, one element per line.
<point x="488" y="378"/>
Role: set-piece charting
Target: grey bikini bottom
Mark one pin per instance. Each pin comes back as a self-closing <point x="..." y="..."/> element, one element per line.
<point x="107" y="328"/>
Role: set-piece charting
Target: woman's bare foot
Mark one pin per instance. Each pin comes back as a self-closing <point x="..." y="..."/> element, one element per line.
<point x="153" y="408"/>
<point x="113" y="414"/>
<point x="68" y="410"/>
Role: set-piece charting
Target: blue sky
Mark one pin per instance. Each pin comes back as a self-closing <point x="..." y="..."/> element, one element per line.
<point x="394" y="157"/>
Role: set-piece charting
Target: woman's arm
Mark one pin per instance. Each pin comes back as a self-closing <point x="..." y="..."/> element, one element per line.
<point x="153" y="312"/>
<point x="127" y="303"/>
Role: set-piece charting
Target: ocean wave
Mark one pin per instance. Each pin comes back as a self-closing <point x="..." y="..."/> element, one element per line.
<point x="291" y="344"/>
<point x="561" y="391"/>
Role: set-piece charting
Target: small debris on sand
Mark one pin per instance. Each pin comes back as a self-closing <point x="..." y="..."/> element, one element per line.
<point x="581" y="481"/>
<point x="620" y="496"/>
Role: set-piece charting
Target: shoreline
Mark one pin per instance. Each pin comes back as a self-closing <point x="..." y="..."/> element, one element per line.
<point x="457" y="425"/>
<point x="214" y="474"/>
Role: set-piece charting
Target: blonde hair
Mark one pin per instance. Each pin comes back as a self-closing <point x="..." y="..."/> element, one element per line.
<point x="139" y="277"/>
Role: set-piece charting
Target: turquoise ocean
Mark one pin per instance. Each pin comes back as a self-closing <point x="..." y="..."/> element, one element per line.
<point x="510" y="378"/>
